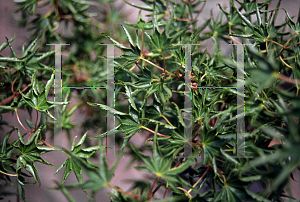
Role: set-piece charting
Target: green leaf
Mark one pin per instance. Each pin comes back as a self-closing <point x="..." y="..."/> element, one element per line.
<point x="48" y="86"/>
<point x="179" y="116"/>
<point x="257" y="197"/>
<point x="107" y="108"/>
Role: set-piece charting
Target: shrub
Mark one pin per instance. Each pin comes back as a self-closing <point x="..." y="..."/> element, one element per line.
<point x="212" y="116"/>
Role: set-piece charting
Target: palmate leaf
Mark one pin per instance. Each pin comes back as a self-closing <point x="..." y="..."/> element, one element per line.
<point x="211" y="145"/>
<point x="5" y="154"/>
<point x="232" y="190"/>
<point x="70" y="164"/>
<point x="29" y="154"/>
<point x="161" y="166"/>
<point x="130" y="128"/>
<point x="38" y="100"/>
<point x="262" y="31"/>
<point x="142" y="80"/>
<point x="130" y="124"/>
<point x="142" y="25"/>
<point x="132" y="54"/>
<point x="99" y="176"/>
<point x="159" y="42"/>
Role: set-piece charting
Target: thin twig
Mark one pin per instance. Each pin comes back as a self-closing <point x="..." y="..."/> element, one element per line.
<point x="199" y="179"/>
<point x="12" y="86"/>
<point x="188" y="3"/>
<point x="285" y="62"/>
<point x="268" y="109"/>
<point x="154" y="64"/>
<point x="150" y="194"/>
<point x="166" y="119"/>
<point x="8" y="174"/>
<point x="152" y="131"/>
<point x="267" y="98"/>
<point x="285" y="78"/>
<point x="287" y="43"/>
<point x="282" y="45"/>
<point x="49" y="145"/>
<point x="10" y="99"/>
<point x="21" y="122"/>
<point x="200" y="10"/>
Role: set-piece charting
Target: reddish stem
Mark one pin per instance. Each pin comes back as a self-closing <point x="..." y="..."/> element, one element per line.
<point x="21" y="122"/>
<point x="49" y="145"/>
<point x="9" y="99"/>
<point x="12" y="86"/>
<point x="119" y="190"/>
<point x="188" y="3"/>
<point x="149" y="192"/>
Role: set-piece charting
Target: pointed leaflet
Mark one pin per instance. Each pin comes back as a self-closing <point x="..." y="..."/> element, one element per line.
<point x="257" y="197"/>
<point x="147" y="160"/>
<point x="156" y="155"/>
<point x="128" y="35"/>
<point x="43" y="121"/>
<point x="147" y="8"/>
<point x="5" y="44"/>
<point x="48" y="85"/>
<point x="258" y="14"/>
<point x="40" y="102"/>
<point x="29" y="123"/>
<point x="179" y="116"/>
<point x="211" y="145"/>
<point x="244" y="18"/>
<point x="115" y="42"/>
<point x="34" y="84"/>
<point x="107" y="108"/>
<point x="30" y="48"/>
<point x="129" y="95"/>
<point x="132" y="54"/>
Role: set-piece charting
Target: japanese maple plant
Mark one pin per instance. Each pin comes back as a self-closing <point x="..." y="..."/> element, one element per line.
<point x="150" y="98"/>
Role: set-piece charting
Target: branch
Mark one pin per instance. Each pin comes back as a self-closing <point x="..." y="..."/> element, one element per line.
<point x="21" y="123"/>
<point x="10" y="99"/>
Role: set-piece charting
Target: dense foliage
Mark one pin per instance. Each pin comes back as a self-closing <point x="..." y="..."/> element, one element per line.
<point x="150" y="75"/>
